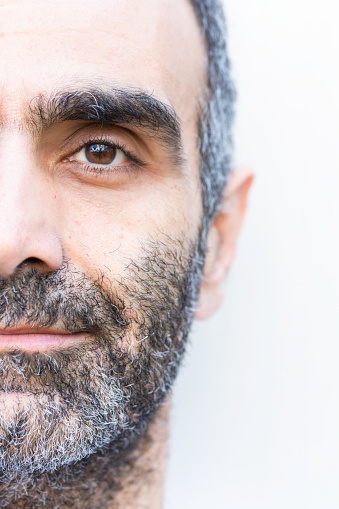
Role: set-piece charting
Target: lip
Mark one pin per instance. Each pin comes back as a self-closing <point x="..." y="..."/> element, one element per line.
<point x="26" y="337"/>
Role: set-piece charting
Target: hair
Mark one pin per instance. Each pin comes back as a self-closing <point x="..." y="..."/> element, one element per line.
<point x="216" y="117"/>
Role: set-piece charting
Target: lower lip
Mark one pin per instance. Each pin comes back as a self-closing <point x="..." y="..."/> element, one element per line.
<point x="39" y="341"/>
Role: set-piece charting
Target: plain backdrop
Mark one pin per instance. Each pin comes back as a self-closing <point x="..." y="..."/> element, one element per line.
<point x="255" y="418"/>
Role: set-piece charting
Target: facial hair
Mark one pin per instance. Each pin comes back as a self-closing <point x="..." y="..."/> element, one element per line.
<point x="72" y="402"/>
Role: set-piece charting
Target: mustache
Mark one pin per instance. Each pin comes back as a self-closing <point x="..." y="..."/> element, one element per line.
<point x="66" y="298"/>
<point x="100" y="392"/>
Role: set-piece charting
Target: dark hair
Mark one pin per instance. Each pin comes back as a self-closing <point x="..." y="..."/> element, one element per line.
<point x="216" y="118"/>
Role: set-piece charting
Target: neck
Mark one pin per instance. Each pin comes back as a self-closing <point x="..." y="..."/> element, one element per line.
<point x="135" y="480"/>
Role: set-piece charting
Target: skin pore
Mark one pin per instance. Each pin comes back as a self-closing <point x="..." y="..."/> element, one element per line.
<point x="100" y="200"/>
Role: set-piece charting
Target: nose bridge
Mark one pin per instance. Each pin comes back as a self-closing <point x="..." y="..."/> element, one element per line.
<point x="27" y="226"/>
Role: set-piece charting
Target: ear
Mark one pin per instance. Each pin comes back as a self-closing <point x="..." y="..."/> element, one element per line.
<point x="221" y="242"/>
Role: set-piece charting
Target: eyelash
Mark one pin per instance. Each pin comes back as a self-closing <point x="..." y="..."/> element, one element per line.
<point x="137" y="163"/>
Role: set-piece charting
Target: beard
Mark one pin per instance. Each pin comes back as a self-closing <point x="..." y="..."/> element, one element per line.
<point x="70" y="403"/>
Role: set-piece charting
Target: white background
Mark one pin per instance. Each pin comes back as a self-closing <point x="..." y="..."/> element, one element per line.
<point x="255" y="419"/>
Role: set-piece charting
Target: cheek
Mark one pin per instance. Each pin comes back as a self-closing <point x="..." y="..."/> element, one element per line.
<point x="105" y="228"/>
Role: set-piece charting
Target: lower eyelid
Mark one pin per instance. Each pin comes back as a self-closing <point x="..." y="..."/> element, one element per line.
<point x="107" y="171"/>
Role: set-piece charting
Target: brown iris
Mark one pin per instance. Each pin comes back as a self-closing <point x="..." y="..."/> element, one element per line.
<point x="98" y="153"/>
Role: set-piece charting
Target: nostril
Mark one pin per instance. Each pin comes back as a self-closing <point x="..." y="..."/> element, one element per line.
<point x="31" y="261"/>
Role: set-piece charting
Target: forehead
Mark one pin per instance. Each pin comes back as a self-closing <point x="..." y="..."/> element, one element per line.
<point x="152" y="44"/>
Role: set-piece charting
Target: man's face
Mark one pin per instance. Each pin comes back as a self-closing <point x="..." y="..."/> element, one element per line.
<point x="101" y="209"/>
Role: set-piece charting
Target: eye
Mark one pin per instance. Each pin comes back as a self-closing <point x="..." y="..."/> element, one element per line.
<point x="101" y="153"/>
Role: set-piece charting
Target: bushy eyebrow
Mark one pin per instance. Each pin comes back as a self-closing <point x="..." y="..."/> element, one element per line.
<point x="114" y="107"/>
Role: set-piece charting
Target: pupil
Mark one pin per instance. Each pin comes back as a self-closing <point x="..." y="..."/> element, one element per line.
<point x="100" y="154"/>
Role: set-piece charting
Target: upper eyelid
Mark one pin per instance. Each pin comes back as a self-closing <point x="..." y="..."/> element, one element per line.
<point x="100" y="140"/>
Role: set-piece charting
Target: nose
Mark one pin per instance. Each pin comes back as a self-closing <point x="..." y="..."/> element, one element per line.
<point x="28" y="233"/>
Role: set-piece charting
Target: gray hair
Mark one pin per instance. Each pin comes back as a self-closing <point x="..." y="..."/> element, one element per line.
<point x="216" y="118"/>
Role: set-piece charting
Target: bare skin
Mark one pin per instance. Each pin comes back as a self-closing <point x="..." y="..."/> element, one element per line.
<point x="54" y="207"/>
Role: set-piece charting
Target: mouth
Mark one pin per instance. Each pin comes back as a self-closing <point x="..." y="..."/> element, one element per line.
<point x="27" y="337"/>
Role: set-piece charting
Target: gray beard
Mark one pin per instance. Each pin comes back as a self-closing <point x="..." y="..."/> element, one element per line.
<point x="72" y="403"/>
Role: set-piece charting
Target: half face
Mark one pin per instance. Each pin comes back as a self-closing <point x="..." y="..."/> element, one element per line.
<point x="101" y="208"/>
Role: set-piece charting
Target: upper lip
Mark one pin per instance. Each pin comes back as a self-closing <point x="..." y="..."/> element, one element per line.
<point x="34" y="329"/>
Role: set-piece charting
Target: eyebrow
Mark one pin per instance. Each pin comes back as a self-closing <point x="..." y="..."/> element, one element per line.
<point x="114" y="107"/>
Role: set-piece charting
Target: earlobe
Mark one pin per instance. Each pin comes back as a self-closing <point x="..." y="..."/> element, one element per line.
<point x="222" y="240"/>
